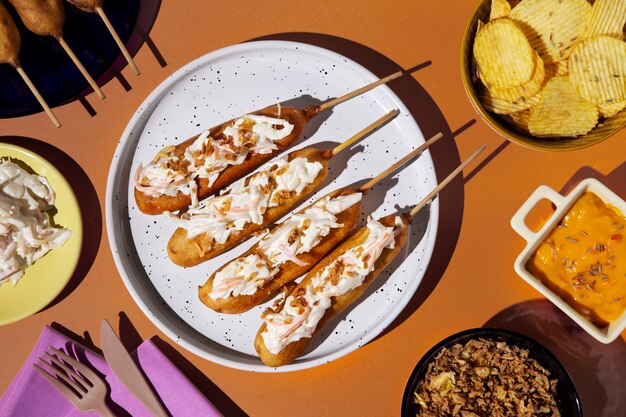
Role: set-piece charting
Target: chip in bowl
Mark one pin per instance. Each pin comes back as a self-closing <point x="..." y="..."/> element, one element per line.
<point x="561" y="111"/>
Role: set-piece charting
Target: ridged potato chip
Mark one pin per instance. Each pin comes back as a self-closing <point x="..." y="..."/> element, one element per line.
<point x="526" y="90"/>
<point x="552" y="26"/>
<point x="499" y="106"/>
<point x="556" y="68"/>
<point x="611" y="109"/>
<point x="597" y="68"/>
<point x="499" y="8"/>
<point x="608" y="17"/>
<point x="561" y="111"/>
<point x="503" y="54"/>
<point x="520" y="120"/>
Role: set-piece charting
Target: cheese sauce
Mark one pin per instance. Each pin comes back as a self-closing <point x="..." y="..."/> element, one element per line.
<point x="583" y="260"/>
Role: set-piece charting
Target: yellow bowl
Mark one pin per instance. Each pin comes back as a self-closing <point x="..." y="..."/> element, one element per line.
<point x="47" y="277"/>
<point x="601" y="132"/>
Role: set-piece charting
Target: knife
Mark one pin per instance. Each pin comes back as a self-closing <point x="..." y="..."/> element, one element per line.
<point x="127" y="371"/>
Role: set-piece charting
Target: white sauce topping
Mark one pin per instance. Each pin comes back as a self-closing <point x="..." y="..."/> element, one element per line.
<point x="25" y="231"/>
<point x="241" y="276"/>
<point x="304" y="309"/>
<point x="247" y="200"/>
<point x="305" y="229"/>
<point x="169" y="174"/>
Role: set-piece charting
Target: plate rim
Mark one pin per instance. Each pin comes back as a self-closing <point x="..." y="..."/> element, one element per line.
<point x="153" y="100"/>
<point x="477" y="331"/>
<point x="76" y="233"/>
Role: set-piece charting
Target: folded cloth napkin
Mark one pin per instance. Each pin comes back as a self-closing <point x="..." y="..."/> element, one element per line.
<point x="30" y="395"/>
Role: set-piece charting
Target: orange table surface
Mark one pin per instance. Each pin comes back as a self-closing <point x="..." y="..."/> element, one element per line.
<point x="470" y="282"/>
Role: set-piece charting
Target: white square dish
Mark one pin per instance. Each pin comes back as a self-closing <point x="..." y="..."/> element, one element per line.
<point x="605" y="334"/>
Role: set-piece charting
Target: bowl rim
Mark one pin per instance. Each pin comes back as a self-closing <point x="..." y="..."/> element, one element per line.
<point x="487" y="333"/>
<point x="542" y="144"/>
<point x="605" y="334"/>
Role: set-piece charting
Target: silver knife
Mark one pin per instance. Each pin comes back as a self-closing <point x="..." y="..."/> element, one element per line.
<point x="127" y="371"/>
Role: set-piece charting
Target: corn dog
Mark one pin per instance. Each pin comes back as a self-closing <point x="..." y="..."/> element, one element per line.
<point x="335" y="283"/>
<point x="176" y="178"/>
<point x="251" y="203"/>
<point x="291" y="248"/>
<point x="332" y="285"/>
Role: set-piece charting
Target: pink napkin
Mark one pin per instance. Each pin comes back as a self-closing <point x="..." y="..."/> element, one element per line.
<point x="30" y="395"/>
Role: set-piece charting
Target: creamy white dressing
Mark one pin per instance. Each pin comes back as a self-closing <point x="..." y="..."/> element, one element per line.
<point x="245" y="201"/>
<point x="169" y="174"/>
<point x="306" y="231"/>
<point x="25" y="231"/>
<point x="241" y="277"/>
<point x="295" y="321"/>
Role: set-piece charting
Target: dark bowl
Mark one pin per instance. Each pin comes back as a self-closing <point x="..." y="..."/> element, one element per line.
<point x="566" y="395"/>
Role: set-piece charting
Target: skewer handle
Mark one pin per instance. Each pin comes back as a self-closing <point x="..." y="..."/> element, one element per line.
<point x="80" y="67"/>
<point x="117" y="39"/>
<point x="445" y="182"/>
<point x="361" y="90"/>
<point x="38" y="96"/>
<point x="401" y="162"/>
<point x="393" y="113"/>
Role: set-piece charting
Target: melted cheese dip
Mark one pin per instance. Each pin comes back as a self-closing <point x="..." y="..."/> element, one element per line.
<point x="583" y="260"/>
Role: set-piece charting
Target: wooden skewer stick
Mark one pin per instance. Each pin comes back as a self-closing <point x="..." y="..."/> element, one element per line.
<point x="80" y="66"/>
<point x="38" y="95"/>
<point x="361" y="90"/>
<point x="401" y="162"/>
<point x="445" y="182"/>
<point x="117" y="39"/>
<point x="393" y="113"/>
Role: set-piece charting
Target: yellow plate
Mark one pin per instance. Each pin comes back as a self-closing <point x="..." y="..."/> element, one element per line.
<point x="47" y="277"/>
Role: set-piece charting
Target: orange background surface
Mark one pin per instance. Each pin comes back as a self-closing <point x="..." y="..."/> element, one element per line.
<point x="471" y="281"/>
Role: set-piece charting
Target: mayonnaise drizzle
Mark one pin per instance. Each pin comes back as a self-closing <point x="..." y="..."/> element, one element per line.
<point x="25" y="231"/>
<point x="247" y="200"/>
<point x="304" y="231"/>
<point x="169" y="174"/>
<point x="303" y="310"/>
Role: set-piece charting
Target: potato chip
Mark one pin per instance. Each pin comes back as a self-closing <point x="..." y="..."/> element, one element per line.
<point x="608" y="17"/>
<point x="520" y="120"/>
<point x="503" y="54"/>
<point x="611" y="109"/>
<point x="552" y="26"/>
<point x="499" y="106"/>
<point x="556" y="68"/>
<point x="597" y="68"/>
<point x="561" y="111"/>
<point x="499" y="8"/>
<point x="526" y="90"/>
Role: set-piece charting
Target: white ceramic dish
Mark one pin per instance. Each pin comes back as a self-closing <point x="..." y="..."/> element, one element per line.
<point x="228" y="83"/>
<point x="563" y="203"/>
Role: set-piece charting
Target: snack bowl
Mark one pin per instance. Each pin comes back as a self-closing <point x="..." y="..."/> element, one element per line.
<point x="566" y="396"/>
<point x="604" y="334"/>
<point x="602" y="131"/>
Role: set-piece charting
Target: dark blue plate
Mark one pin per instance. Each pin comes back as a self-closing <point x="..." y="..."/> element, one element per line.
<point x="566" y="395"/>
<point x="51" y="70"/>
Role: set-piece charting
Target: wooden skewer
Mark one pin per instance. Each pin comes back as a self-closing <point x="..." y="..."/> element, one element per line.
<point x="38" y="95"/>
<point x="393" y="113"/>
<point x="117" y="39"/>
<point x="361" y="90"/>
<point x="80" y="66"/>
<point x="401" y="162"/>
<point x="445" y="182"/>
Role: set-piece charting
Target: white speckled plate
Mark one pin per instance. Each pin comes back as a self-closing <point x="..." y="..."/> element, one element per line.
<point x="228" y="83"/>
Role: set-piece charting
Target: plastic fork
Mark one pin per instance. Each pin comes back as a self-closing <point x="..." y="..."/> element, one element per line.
<point x="76" y="381"/>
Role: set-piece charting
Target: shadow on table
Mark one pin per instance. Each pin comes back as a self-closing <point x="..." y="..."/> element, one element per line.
<point x="615" y="180"/>
<point x="132" y="339"/>
<point x="597" y="369"/>
<point x="87" y="200"/>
